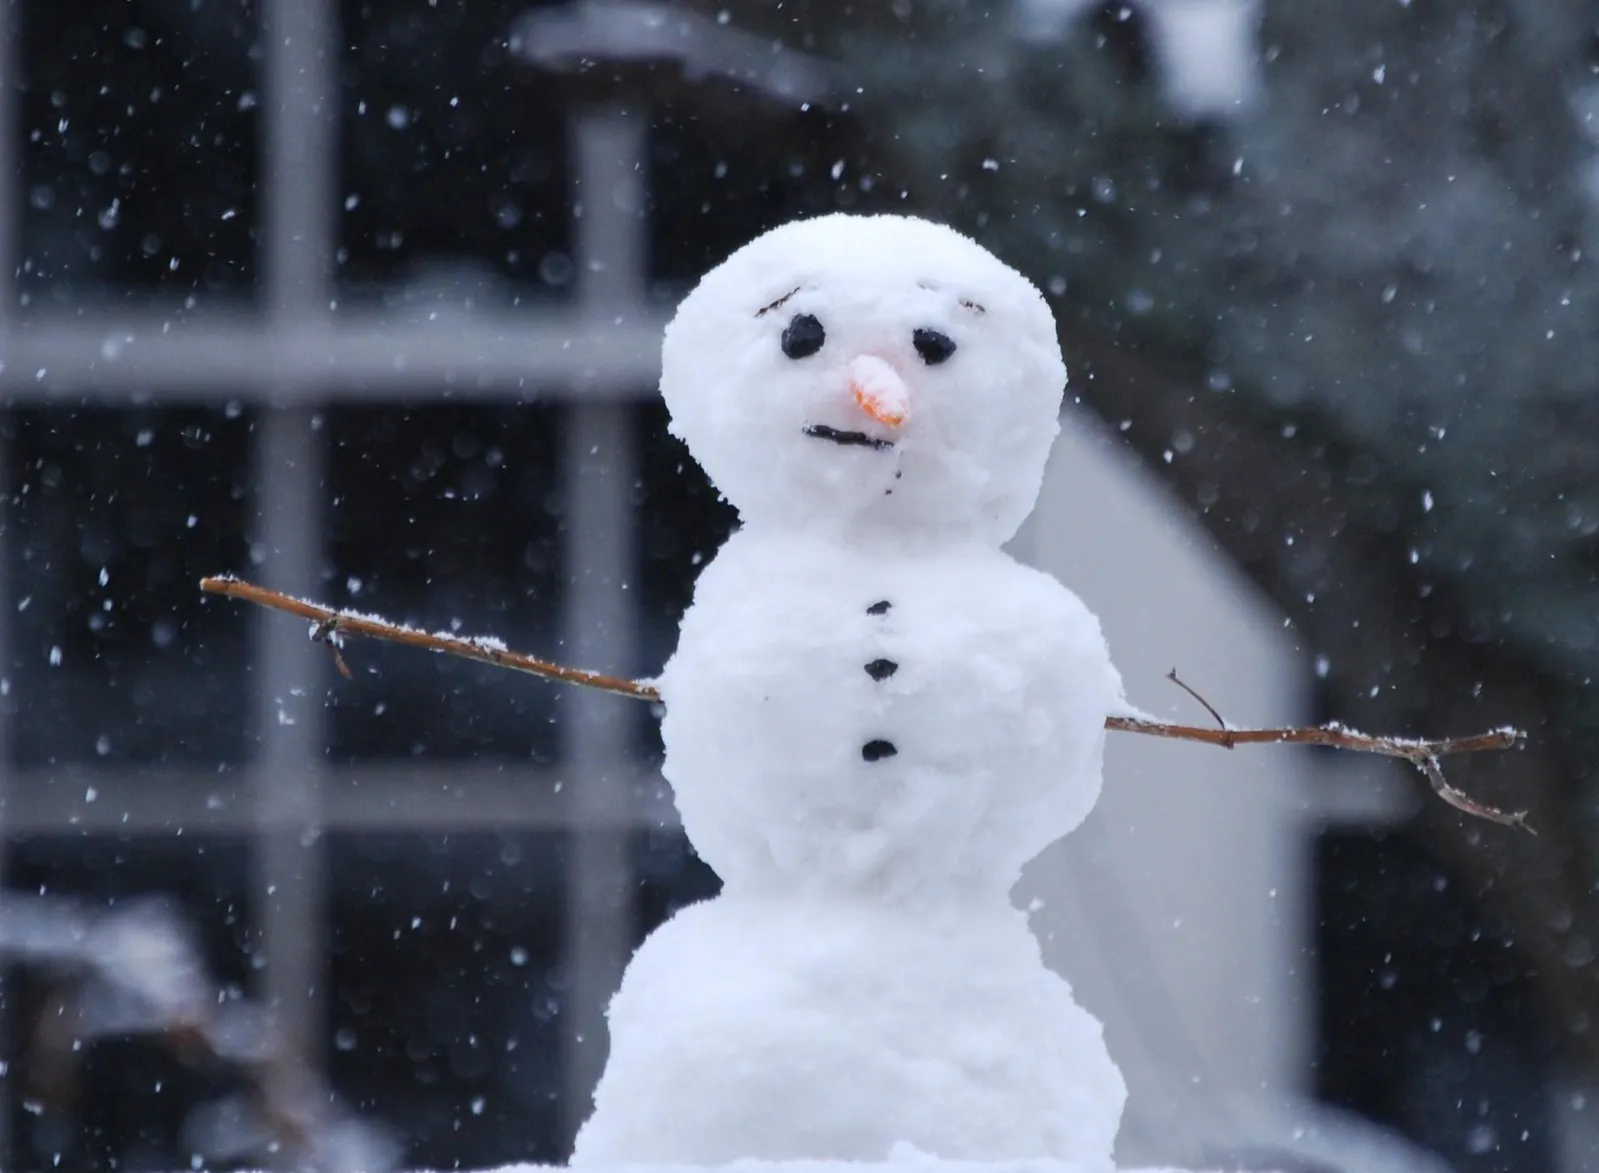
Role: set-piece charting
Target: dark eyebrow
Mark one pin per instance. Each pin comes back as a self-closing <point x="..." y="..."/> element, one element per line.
<point x="766" y="309"/>
<point x="965" y="303"/>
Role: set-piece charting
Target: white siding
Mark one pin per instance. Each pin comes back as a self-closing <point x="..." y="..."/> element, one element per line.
<point x="1180" y="911"/>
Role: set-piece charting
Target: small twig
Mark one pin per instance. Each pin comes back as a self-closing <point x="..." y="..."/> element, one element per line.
<point x="1423" y="754"/>
<point x="1458" y="799"/>
<point x="330" y="624"/>
<point x="1209" y="708"/>
<point x="1333" y="736"/>
<point x="327" y="632"/>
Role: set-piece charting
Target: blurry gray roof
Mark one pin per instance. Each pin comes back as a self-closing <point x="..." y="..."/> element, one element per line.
<point x="573" y="38"/>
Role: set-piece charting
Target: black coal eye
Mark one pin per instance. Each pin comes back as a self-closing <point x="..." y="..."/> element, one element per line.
<point x="804" y="336"/>
<point x="934" y="347"/>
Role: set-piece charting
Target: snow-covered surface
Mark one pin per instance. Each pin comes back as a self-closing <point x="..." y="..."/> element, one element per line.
<point x="906" y="1162"/>
<point x="833" y="1027"/>
<point x="573" y="36"/>
<point x="138" y="969"/>
<point x="874" y="718"/>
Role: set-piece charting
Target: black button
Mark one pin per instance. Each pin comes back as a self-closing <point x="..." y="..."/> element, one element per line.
<point x="878" y="749"/>
<point x="881" y="669"/>
<point x="879" y="608"/>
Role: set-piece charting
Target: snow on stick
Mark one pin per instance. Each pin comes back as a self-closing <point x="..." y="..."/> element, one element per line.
<point x="330" y="626"/>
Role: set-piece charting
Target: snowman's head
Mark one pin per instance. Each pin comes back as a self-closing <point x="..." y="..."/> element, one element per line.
<point x="873" y="371"/>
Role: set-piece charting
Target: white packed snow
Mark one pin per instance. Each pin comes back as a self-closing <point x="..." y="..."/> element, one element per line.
<point x="996" y="709"/>
<point x="904" y="1160"/>
<point x="968" y="464"/>
<point x="874" y="717"/>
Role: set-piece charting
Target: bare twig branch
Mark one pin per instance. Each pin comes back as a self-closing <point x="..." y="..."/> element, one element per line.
<point x="1209" y="708"/>
<point x="1420" y="753"/>
<point x="1333" y="736"/>
<point x="1458" y="799"/>
<point x="327" y="632"/>
<point x="331" y="625"/>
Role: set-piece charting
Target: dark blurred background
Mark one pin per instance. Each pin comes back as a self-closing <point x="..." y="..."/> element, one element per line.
<point x="361" y="299"/>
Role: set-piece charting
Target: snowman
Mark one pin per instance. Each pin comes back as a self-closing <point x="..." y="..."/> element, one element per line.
<point x="874" y="718"/>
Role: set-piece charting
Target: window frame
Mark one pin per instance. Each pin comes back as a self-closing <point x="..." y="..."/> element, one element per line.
<point x="291" y="355"/>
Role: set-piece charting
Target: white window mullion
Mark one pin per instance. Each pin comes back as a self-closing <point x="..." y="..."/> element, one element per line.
<point x="290" y="881"/>
<point x="10" y="161"/>
<point x="8" y="773"/>
<point x="600" y="611"/>
<point x="10" y="235"/>
<point x="599" y="622"/>
<point x="300" y="133"/>
<point x="361" y="357"/>
<point x="299" y="158"/>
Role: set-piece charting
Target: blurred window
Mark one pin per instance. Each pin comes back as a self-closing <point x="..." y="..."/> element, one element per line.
<point x="86" y="1091"/>
<point x="140" y="141"/>
<point x="449" y="518"/>
<point x="115" y="515"/>
<point x="434" y="114"/>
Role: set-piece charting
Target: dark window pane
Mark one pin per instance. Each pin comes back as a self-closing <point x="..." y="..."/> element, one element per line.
<point x="682" y="520"/>
<point x="121" y="1099"/>
<point x="1427" y="1016"/>
<point x="436" y="116"/>
<point x="669" y="876"/>
<point x="713" y="189"/>
<point x="446" y="991"/>
<point x="439" y="516"/>
<point x="448" y="987"/>
<point x="115" y="515"/>
<point x="139" y="135"/>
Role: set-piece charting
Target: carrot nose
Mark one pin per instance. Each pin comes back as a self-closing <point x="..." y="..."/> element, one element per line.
<point x="879" y="390"/>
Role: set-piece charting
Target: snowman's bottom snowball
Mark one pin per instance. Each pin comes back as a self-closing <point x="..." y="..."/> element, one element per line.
<point x="790" y="1030"/>
<point x="909" y="1164"/>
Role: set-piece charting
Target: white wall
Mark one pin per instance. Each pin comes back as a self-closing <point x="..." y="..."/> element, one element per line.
<point x="1180" y="911"/>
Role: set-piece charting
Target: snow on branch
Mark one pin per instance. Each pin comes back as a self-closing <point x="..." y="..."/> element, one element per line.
<point x="329" y="627"/>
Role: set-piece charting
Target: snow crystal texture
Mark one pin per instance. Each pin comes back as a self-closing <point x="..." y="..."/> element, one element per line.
<point x="970" y="458"/>
<point x="874" y="718"/>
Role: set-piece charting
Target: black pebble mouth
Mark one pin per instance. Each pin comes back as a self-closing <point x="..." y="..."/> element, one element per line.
<point x="848" y="439"/>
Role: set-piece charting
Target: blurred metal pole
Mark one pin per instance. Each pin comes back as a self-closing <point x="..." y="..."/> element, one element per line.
<point x="10" y="236"/>
<point x="600" y="613"/>
<point x="299" y="159"/>
<point x="289" y="680"/>
<point x="298" y="178"/>
<point x="611" y="146"/>
<point x="10" y="158"/>
<point x="599" y="622"/>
